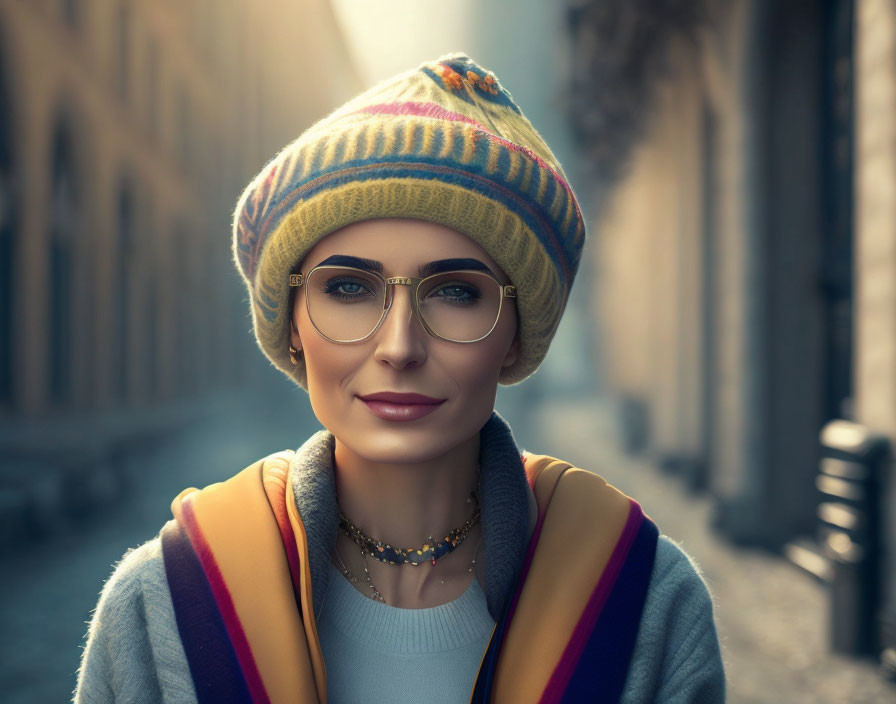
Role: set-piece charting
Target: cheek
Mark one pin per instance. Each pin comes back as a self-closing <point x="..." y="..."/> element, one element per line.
<point x="480" y="367"/>
<point x="320" y="368"/>
<point x="327" y="366"/>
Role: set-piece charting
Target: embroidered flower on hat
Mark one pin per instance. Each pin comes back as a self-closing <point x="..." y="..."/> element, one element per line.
<point x="451" y="79"/>
<point x="485" y="83"/>
<point x="458" y="71"/>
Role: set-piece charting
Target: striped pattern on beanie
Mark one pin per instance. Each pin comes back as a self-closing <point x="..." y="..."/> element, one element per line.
<point x="443" y="143"/>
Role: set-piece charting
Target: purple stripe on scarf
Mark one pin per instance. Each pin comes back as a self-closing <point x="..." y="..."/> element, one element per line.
<point x="213" y="664"/>
<point x="602" y="668"/>
<point x="225" y="604"/>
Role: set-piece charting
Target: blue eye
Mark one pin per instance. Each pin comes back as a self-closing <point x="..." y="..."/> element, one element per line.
<point x="346" y="289"/>
<point x="456" y="294"/>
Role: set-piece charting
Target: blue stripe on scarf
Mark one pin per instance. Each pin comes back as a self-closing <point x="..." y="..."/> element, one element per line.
<point x="603" y="666"/>
<point x="216" y="672"/>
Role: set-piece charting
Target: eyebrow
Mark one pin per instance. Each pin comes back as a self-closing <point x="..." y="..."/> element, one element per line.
<point x="428" y="269"/>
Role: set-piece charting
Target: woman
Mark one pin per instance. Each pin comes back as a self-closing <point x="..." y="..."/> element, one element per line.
<point x="404" y="256"/>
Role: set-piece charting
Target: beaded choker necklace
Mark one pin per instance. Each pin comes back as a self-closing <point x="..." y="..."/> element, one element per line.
<point x="430" y="552"/>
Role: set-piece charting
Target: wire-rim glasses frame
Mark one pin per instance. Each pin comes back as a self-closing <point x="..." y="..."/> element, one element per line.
<point x="506" y="291"/>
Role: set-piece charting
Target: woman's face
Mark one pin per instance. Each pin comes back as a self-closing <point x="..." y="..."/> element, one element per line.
<point x="401" y="356"/>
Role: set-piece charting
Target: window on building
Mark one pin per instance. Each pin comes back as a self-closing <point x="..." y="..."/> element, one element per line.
<point x="123" y="290"/>
<point x="71" y="13"/>
<point x="837" y="283"/>
<point x="182" y="318"/>
<point x="122" y="63"/>
<point x="152" y="85"/>
<point x="7" y="251"/>
<point x="151" y="302"/>
<point x="63" y="237"/>
<point x="184" y="126"/>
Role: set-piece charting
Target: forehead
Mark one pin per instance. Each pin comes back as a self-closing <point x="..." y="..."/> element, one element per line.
<point x="400" y="244"/>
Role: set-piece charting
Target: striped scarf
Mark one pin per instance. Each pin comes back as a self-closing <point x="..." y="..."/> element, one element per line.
<point x="246" y="566"/>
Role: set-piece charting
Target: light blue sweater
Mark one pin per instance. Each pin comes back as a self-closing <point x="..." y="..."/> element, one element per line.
<point x="380" y="653"/>
<point x="134" y="653"/>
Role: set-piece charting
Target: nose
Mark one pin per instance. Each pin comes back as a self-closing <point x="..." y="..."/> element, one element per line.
<point x="401" y="339"/>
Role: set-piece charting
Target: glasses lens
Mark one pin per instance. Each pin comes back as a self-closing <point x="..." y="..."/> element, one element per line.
<point x="344" y="304"/>
<point x="461" y="305"/>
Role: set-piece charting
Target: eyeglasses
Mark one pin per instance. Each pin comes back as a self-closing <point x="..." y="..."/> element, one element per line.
<point x="346" y="304"/>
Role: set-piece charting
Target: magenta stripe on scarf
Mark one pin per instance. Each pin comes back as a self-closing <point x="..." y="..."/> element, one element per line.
<point x="224" y="602"/>
<point x="292" y="556"/>
<point x="557" y="684"/>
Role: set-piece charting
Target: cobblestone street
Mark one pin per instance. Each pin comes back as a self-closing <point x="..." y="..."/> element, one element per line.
<point x="772" y="618"/>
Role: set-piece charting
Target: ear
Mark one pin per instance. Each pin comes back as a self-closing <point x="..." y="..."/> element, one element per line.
<point x="513" y="352"/>
<point x="294" y="338"/>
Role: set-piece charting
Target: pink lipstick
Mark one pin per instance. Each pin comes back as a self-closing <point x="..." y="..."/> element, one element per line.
<point x="390" y="405"/>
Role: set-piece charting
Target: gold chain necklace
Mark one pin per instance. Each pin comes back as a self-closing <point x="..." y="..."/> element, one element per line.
<point x="430" y="552"/>
<point x="374" y="592"/>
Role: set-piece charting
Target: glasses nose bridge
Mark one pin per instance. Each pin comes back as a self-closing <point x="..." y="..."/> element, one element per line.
<point x="412" y="283"/>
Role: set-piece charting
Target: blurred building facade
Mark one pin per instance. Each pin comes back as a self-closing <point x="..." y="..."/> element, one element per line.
<point x="127" y="130"/>
<point x="746" y="256"/>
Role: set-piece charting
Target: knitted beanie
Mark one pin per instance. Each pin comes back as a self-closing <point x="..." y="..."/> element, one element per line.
<point x="443" y="143"/>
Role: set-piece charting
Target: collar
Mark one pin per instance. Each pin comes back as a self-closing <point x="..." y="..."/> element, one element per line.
<point x="506" y="504"/>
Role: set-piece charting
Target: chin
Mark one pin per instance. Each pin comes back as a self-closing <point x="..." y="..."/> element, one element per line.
<point x="408" y="442"/>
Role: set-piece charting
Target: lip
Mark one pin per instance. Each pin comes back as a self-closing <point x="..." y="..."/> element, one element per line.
<point x="407" y="399"/>
<point x="392" y="406"/>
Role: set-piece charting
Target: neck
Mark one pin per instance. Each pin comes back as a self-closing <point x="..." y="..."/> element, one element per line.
<point x="404" y="504"/>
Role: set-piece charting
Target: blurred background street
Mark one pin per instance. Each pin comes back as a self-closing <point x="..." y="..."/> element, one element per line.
<point x="727" y="357"/>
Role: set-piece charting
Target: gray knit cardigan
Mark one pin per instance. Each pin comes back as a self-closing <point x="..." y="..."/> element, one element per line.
<point x="134" y="652"/>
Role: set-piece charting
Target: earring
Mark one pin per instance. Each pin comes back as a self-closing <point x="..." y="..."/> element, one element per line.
<point x="293" y="352"/>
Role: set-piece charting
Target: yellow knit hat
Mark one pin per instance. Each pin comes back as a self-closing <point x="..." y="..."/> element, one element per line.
<point x="443" y="143"/>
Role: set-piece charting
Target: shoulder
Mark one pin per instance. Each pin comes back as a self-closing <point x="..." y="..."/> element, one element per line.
<point x="137" y="596"/>
<point x="137" y="566"/>
<point x="133" y="649"/>
<point x="677" y="582"/>
<point x="677" y="656"/>
<point x="135" y="577"/>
